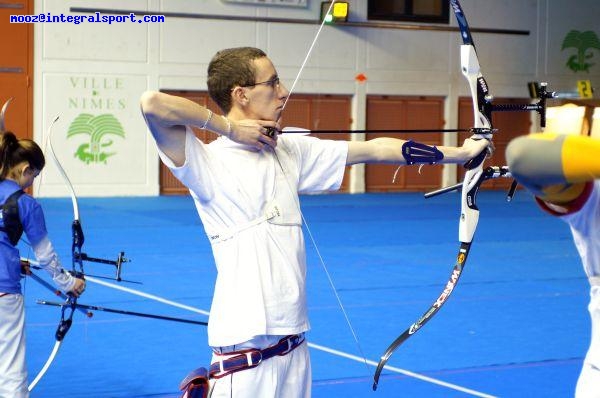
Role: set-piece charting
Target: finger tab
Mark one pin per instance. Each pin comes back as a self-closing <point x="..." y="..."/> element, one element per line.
<point x="271" y="132"/>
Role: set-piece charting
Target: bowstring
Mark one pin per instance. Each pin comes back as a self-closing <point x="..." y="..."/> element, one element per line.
<point x="326" y="270"/>
<point x="310" y="49"/>
<point x="308" y="230"/>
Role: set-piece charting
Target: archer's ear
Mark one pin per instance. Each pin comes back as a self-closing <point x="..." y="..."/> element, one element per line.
<point x="24" y="168"/>
<point x="238" y="96"/>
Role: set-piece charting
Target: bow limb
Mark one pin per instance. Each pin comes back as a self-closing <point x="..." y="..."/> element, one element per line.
<point x="64" y="325"/>
<point x="46" y="366"/>
<point x="71" y="301"/>
<point x="2" y="115"/>
<point x="76" y="228"/>
<point x="474" y="176"/>
<point x="62" y="171"/>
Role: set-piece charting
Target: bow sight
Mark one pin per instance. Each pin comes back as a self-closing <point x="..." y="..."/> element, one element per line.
<point x="78" y="257"/>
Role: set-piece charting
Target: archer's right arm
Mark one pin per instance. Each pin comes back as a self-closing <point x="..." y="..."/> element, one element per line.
<point x="167" y="117"/>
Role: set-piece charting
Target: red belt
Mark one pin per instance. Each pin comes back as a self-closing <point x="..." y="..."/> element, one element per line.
<point x="252" y="357"/>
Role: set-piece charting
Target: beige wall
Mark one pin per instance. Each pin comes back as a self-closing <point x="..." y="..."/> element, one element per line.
<point x="174" y="55"/>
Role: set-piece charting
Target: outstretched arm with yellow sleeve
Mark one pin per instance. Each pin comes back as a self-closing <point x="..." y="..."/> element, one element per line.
<point x="556" y="168"/>
<point x="561" y="171"/>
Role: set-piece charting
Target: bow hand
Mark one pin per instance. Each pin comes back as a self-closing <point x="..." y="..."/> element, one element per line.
<point x="78" y="287"/>
<point x="475" y="146"/>
<point x="477" y="149"/>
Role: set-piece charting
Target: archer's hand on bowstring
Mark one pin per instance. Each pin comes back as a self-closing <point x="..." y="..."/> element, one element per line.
<point x="254" y="133"/>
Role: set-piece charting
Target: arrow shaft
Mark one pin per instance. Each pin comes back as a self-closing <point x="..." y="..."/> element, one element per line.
<point x="55" y="291"/>
<point x="387" y="131"/>
<point x="124" y="312"/>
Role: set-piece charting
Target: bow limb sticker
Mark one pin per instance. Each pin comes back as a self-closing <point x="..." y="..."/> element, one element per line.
<point x="100" y="130"/>
<point x="583" y="43"/>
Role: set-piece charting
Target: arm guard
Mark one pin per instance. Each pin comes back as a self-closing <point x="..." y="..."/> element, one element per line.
<point x="415" y="152"/>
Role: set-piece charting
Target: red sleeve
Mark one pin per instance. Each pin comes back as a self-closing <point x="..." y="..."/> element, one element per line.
<point x="568" y="208"/>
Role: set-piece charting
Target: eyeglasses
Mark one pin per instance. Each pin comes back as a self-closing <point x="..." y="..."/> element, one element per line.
<point x="273" y="83"/>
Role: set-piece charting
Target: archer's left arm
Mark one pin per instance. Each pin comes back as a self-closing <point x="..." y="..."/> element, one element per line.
<point x="34" y="225"/>
<point x="389" y="150"/>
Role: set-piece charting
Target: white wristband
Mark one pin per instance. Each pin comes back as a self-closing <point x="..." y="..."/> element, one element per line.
<point x="228" y="122"/>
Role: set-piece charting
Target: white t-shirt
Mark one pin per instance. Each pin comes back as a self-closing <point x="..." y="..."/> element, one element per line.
<point x="583" y="216"/>
<point x="261" y="264"/>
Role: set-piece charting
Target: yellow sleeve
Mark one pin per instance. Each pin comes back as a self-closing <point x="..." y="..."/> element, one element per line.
<point x="554" y="167"/>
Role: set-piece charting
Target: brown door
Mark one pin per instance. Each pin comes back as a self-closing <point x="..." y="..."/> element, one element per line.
<point x="16" y="67"/>
<point x="390" y="112"/>
<point x="509" y="125"/>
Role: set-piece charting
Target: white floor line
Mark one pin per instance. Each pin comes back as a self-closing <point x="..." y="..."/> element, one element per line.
<point x="401" y="371"/>
<point x="311" y="345"/>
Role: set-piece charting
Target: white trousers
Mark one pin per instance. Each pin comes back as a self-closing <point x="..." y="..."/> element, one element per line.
<point x="588" y="385"/>
<point x="287" y="376"/>
<point x="13" y="370"/>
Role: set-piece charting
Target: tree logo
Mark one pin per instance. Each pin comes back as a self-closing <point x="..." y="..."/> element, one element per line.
<point x="99" y="128"/>
<point x="582" y="42"/>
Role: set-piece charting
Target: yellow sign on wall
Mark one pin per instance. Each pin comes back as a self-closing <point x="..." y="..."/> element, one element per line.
<point x="584" y="87"/>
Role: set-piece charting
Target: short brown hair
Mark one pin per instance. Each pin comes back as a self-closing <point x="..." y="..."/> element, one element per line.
<point x="229" y="68"/>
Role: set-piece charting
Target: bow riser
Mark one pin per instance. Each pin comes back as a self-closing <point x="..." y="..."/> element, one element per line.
<point x="477" y="85"/>
<point x="471" y="70"/>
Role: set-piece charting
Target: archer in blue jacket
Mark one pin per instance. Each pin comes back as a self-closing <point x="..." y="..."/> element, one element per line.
<point x="21" y="161"/>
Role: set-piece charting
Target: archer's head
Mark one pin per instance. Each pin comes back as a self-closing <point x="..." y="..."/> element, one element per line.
<point x="21" y="159"/>
<point x="245" y="85"/>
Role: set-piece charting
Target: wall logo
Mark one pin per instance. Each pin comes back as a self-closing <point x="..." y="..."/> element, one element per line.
<point x="100" y="129"/>
<point x="583" y="43"/>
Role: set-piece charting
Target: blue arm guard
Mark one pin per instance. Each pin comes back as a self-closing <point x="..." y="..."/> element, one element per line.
<point x="415" y="152"/>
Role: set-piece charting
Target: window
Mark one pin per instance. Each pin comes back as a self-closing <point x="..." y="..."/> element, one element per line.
<point x="436" y="11"/>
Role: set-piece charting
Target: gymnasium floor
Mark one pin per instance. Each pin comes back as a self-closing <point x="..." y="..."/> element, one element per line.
<point x="516" y="325"/>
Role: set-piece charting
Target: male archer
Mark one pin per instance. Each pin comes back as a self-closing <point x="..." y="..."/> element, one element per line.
<point x="246" y="187"/>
